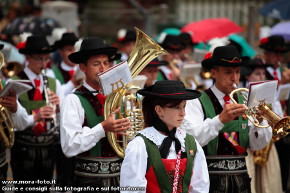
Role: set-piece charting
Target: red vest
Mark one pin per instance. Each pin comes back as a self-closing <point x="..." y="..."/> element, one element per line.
<point x="169" y="164"/>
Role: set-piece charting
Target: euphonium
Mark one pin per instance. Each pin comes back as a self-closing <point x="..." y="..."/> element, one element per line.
<point x="280" y="126"/>
<point x="6" y="126"/>
<point x="145" y="50"/>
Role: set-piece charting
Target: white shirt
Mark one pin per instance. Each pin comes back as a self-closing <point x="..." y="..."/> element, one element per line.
<point x="21" y="119"/>
<point x="134" y="166"/>
<point x="124" y="57"/>
<point x="166" y="71"/>
<point x="206" y="130"/>
<point x="69" y="86"/>
<point x="278" y="71"/>
<point x="75" y="138"/>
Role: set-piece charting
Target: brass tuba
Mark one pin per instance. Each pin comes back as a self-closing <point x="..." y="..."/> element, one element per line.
<point x="280" y="125"/>
<point x="145" y="50"/>
<point x="6" y="125"/>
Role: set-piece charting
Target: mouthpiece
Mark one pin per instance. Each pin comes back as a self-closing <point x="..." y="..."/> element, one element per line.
<point x="235" y="86"/>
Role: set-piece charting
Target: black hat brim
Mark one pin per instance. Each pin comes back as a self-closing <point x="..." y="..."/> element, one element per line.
<point x="283" y="49"/>
<point x="159" y="63"/>
<point x="78" y="57"/>
<point x="188" y="95"/>
<point x="211" y="62"/>
<point x="60" y="43"/>
<point x="45" y="50"/>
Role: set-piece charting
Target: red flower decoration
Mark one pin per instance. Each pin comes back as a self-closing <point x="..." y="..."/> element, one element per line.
<point x="39" y="128"/>
<point x="264" y="40"/>
<point x="102" y="99"/>
<point x="21" y="45"/>
<point x="207" y="56"/>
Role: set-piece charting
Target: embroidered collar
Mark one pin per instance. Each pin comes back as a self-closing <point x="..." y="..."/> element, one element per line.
<point x="153" y="135"/>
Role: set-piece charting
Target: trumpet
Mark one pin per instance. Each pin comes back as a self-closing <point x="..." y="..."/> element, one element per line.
<point x="280" y="125"/>
<point x="51" y="124"/>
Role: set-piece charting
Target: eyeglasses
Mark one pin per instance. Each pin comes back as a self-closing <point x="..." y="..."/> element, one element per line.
<point x="40" y="59"/>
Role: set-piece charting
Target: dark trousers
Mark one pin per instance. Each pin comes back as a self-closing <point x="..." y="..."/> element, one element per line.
<point x="33" y="164"/>
<point x="64" y="168"/>
<point x="239" y="183"/>
<point x="3" y="175"/>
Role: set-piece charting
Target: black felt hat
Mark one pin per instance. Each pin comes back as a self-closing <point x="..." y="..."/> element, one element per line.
<point x="90" y="47"/>
<point x="157" y="62"/>
<point x="117" y="56"/>
<point x="227" y="56"/>
<point x="37" y="45"/>
<point x="186" y="39"/>
<point x="66" y="39"/>
<point x="170" y="89"/>
<point x="274" y="43"/>
<point x="251" y="65"/>
<point x="172" y="42"/>
<point x="128" y="36"/>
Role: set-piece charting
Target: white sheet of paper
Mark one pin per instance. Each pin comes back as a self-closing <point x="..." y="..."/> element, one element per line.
<point x="139" y="81"/>
<point x="190" y="70"/>
<point x="283" y="92"/>
<point x="19" y="86"/>
<point x="115" y="78"/>
<point x="262" y="90"/>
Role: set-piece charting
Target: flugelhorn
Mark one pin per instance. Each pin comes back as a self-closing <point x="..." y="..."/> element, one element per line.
<point x="280" y="125"/>
<point x="6" y="126"/>
<point x="145" y="50"/>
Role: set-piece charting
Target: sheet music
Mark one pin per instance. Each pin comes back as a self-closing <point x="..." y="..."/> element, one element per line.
<point x="115" y="78"/>
<point x="19" y="86"/>
<point x="262" y="90"/>
<point x="283" y="92"/>
<point x="139" y="81"/>
<point x="190" y="70"/>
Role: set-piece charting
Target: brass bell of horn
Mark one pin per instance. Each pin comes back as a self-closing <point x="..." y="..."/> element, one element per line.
<point x="6" y="124"/>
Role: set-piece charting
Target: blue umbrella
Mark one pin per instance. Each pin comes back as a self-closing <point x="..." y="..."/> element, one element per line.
<point x="277" y="9"/>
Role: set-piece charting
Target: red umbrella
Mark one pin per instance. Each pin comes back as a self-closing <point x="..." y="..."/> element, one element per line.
<point x="208" y="29"/>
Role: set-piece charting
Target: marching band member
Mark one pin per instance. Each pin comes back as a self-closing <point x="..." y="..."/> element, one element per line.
<point x="274" y="47"/>
<point x="163" y="158"/>
<point x="267" y="177"/>
<point x="32" y="156"/>
<point x="218" y="126"/>
<point x="82" y="123"/>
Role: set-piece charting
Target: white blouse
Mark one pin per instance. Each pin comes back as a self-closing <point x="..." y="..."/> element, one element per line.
<point x="134" y="166"/>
